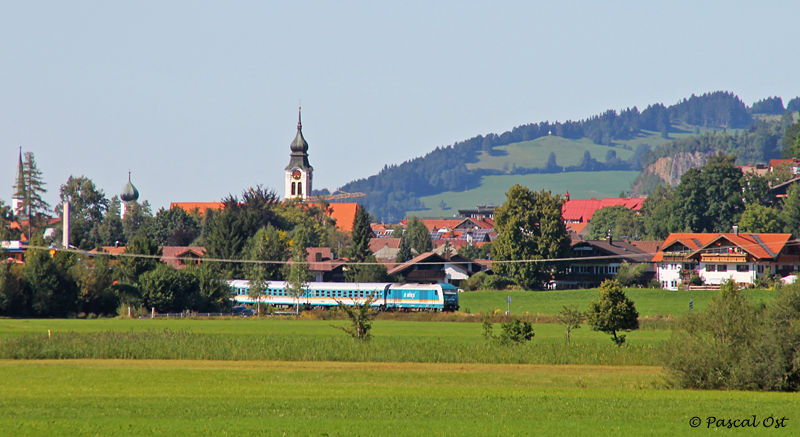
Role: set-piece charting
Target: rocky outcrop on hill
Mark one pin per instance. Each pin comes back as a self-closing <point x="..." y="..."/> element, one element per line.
<point x="667" y="169"/>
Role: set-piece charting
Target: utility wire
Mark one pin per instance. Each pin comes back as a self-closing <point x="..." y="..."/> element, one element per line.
<point x="641" y="255"/>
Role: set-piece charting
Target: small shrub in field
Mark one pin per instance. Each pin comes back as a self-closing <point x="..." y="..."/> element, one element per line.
<point x="612" y="312"/>
<point x="360" y="315"/>
<point x="571" y="317"/>
<point x="515" y="331"/>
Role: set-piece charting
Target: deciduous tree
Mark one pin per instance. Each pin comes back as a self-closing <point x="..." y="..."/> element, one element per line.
<point x="531" y="231"/>
<point x="760" y="219"/>
<point x="298" y="277"/>
<point x="571" y="317"/>
<point x="612" y="312"/>
<point x="622" y="222"/>
<point x="88" y="206"/>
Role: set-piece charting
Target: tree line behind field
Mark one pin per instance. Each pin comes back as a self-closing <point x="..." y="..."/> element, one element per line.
<point x="250" y="228"/>
<point x="397" y="188"/>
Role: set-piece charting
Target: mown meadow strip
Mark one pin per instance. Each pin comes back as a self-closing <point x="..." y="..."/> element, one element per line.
<point x="266" y="398"/>
<point x="184" y="345"/>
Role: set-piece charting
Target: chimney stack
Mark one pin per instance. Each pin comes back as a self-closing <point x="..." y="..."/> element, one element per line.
<point x="608" y="237"/>
<point x="735" y="230"/>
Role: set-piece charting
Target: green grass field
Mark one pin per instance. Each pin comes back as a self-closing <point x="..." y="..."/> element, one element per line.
<point x="581" y="185"/>
<point x="649" y="302"/>
<point x="281" y="376"/>
<point x="205" y="398"/>
<point x="388" y="329"/>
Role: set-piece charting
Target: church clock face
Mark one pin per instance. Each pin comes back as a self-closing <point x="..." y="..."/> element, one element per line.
<point x="296" y="174"/>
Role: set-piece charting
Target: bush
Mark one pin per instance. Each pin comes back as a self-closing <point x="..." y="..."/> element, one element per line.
<point x="735" y="344"/>
<point x="474" y="283"/>
<point x="515" y="331"/>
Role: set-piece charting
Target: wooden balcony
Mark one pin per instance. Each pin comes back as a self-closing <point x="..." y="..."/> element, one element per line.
<point x="723" y="258"/>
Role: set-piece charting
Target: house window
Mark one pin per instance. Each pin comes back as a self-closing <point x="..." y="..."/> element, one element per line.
<point x="722" y="268"/>
<point x="760" y="269"/>
<point x="299" y="188"/>
<point x="743" y="267"/>
<point x="711" y="268"/>
<point x="293" y="188"/>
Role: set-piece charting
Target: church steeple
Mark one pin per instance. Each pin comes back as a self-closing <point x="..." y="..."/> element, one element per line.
<point x="19" y="187"/>
<point x="299" y="171"/>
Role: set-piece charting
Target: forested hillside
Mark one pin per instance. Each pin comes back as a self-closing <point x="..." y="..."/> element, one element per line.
<point x="758" y="144"/>
<point x="398" y="188"/>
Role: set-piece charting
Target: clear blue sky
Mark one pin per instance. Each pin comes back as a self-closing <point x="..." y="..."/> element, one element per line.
<point x="199" y="99"/>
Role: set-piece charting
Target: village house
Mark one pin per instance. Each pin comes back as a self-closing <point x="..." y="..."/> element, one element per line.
<point x="718" y="257"/>
<point x="603" y="259"/>
<point x="432" y="267"/>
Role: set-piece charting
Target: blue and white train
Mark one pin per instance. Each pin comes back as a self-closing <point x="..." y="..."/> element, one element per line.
<point x="389" y="296"/>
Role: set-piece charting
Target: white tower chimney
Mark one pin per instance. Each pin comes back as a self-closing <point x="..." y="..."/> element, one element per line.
<point x="65" y="222"/>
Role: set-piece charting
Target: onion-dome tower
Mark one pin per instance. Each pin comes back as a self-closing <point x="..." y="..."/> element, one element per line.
<point x="299" y="172"/>
<point x="129" y="194"/>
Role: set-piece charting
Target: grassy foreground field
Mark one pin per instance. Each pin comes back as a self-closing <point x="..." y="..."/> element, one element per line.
<point x="199" y="398"/>
<point x="649" y="302"/>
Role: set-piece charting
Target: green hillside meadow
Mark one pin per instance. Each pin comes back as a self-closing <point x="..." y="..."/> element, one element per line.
<point x="581" y="185"/>
<point x="534" y="154"/>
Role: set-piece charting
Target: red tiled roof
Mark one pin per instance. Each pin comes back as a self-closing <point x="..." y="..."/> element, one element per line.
<point x="576" y="228"/>
<point x="344" y="214"/>
<point x="436" y="224"/>
<point x="776" y="162"/>
<point x="583" y="210"/>
<point x="201" y="207"/>
<point x="172" y="255"/>
<point x="377" y="244"/>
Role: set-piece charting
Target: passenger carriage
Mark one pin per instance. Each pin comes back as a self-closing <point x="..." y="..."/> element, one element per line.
<point x="389" y="296"/>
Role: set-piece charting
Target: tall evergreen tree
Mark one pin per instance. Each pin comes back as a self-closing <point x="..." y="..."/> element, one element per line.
<point x="133" y="267"/>
<point x="418" y="236"/>
<point x="360" y="252"/>
<point x="404" y="252"/>
<point x="362" y="234"/>
<point x="30" y="188"/>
